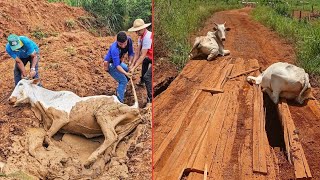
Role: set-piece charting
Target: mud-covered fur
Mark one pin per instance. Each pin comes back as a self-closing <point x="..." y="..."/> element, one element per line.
<point x="89" y="116"/>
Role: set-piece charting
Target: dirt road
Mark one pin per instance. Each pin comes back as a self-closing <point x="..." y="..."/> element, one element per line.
<point x="182" y="114"/>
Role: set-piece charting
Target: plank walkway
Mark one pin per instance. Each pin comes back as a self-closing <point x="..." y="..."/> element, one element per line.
<point x="201" y="141"/>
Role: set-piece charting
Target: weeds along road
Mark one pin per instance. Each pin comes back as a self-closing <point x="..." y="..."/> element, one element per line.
<point x="195" y="129"/>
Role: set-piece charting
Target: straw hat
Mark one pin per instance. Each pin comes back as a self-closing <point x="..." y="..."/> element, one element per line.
<point x="138" y="24"/>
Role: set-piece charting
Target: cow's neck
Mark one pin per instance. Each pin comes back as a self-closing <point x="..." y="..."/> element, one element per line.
<point x="220" y="44"/>
<point x="41" y="94"/>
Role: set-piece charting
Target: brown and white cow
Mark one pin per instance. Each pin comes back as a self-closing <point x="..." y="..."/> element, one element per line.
<point x="88" y="116"/>
<point x="284" y="80"/>
<point x="212" y="44"/>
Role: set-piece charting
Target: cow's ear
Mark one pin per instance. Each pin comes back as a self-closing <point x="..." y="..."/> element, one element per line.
<point x="228" y="29"/>
<point x="35" y="81"/>
<point x="215" y="28"/>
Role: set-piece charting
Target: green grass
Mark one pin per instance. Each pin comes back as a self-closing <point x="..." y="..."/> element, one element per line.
<point x="304" y="35"/>
<point x="72" y="2"/>
<point x="176" y="20"/>
<point x="39" y="33"/>
<point x="116" y="15"/>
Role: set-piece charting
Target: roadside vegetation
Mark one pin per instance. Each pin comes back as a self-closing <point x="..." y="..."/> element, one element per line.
<point x="175" y="21"/>
<point x="115" y="15"/>
<point x="304" y="32"/>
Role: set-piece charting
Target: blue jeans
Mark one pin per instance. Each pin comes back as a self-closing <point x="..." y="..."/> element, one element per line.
<point x="120" y="78"/>
<point x="17" y="73"/>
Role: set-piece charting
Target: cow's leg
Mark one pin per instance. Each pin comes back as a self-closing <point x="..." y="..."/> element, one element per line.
<point x="124" y="132"/>
<point x="110" y="135"/>
<point x="274" y="95"/>
<point x="57" y="124"/>
<point x="193" y="54"/>
<point x="194" y="51"/>
<point x="213" y="54"/>
<point x="226" y="52"/>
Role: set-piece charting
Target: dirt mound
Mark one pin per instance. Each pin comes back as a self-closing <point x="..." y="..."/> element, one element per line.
<point x="22" y="16"/>
<point x="71" y="59"/>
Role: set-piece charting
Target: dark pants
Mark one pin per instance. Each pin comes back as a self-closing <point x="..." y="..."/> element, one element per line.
<point x="145" y="66"/>
<point x="17" y="73"/>
<point x="146" y="74"/>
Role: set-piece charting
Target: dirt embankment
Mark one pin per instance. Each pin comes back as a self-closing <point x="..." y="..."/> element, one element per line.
<point x="71" y="59"/>
<point x="247" y="40"/>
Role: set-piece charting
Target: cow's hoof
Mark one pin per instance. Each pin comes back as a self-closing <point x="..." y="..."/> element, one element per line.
<point x="46" y="142"/>
<point x="88" y="164"/>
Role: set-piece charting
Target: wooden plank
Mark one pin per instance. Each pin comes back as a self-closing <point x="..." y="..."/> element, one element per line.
<point x="259" y="162"/>
<point x="177" y="162"/>
<point x="175" y="129"/>
<point x="211" y="90"/>
<point x="298" y="158"/>
<point x="199" y="156"/>
<point x="216" y="72"/>
<point x="262" y="136"/>
<point x="223" y="150"/>
<point x="195" y="176"/>
<point x="314" y="105"/>
<point x="224" y="77"/>
<point x="222" y="74"/>
<point x="285" y="131"/>
<point x="255" y="135"/>
<point x="215" y="127"/>
<point x="244" y="73"/>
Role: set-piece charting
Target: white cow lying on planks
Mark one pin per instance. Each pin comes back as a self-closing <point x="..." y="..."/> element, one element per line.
<point x="284" y="80"/>
<point x="89" y="116"/>
<point x="211" y="45"/>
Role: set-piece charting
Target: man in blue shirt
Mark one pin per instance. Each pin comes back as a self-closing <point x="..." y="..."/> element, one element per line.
<point x="113" y="62"/>
<point x="23" y="50"/>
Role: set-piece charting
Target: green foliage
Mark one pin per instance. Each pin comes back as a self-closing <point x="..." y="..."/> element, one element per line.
<point x="304" y="35"/>
<point x="39" y="33"/>
<point x="114" y="14"/>
<point x="110" y="13"/>
<point x="176" y="20"/>
<point x="139" y="9"/>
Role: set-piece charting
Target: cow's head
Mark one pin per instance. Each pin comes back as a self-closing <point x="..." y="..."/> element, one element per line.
<point x="307" y="94"/>
<point x="21" y="92"/>
<point x="221" y="31"/>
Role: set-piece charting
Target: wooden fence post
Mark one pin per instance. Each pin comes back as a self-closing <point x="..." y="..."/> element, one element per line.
<point x="300" y="16"/>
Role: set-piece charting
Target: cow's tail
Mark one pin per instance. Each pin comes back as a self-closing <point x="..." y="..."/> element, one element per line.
<point x="136" y="103"/>
<point x="305" y="87"/>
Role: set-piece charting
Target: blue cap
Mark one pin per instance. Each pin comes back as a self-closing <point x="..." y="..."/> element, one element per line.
<point x="14" y="42"/>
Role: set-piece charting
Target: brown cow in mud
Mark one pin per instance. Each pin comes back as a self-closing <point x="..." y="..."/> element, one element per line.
<point x="212" y="44"/>
<point x="89" y="116"/>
